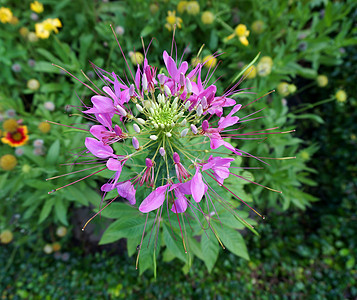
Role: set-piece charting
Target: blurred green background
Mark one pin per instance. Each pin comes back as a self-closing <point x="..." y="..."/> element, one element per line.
<point x="308" y="55"/>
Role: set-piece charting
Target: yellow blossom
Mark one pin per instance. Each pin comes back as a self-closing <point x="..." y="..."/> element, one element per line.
<point x="341" y="96"/>
<point x="209" y="61"/>
<point x="44" y="29"/>
<point x="181" y="6"/>
<point x="193" y="8"/>
<point x="41" y="32"/>
<point x="5" y="15"/>
<point x="242" y="33"/>
<point x="322" y="80"/>
<point x="207" y="17"/>
<point x="10" y="125"/>
<point x="37" y="7"/>
<point x="33" y="84"/>
<point x="172" y="20"/>
<point x="251" y="72"/>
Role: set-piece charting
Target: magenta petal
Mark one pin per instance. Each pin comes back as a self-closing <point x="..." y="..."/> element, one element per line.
<point x="180" y="203"/>
<point x="109" y="91"/>
<point x="114" y="165"/>
<point x="103" y="104"/>
<point x="97" y="148"/>
<point x="154" y="200"/>
<point x="98" y="131"/>
<point x="170" y="65"/>
<point x="197" y="186"/>
<point x="127" y="191"/>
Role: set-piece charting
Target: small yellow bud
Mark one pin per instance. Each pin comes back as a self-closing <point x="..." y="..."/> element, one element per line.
<point x="181" y="6"/>
<point x="6" y="237"/>
<point x="44" y="127"/>
<point x="61" y="231"/>
<point x="292" y="88"/>
<point x="341" y="96"/>
<point x="56" y="247"/>
<point x="207" y="17"/>
<point x="251" y="72"/>
<point x="283" y="89"/>
<point x="10" y="125"/>
<point x="33" y="84"/>
<point x="137" y="58"/>
<point x="322" y="80"/>
<point x="258" y="26"/>
<point x="193" y="8"/>
<point x="209" y="61"/>
<point x="8" y="162"/>
<point x="48" y="249"/>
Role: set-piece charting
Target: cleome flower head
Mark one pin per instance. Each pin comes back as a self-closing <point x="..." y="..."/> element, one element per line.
<point x="171" y="131"/>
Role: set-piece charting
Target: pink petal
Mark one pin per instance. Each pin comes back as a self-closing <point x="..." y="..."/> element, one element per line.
<point x="170" y="65"/>
<point x="127" y="191"/>
<point x="197" y="186"/>
<point x="154" y="200"/>
<point x="98" y="131"/>
<point x="180" y="203"/>
<point x="98" y="149"/>
<point x="114" y="165"/>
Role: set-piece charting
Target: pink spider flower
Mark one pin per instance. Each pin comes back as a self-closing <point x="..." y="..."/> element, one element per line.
<point x="179" y="121"/>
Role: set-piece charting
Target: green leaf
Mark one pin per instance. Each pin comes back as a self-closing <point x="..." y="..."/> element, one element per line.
<point x="61" y="211"/>
<point x="233" y="240"/>
<point x="120" y="210"/>
<point x="174" y="243"/>
<point x="46" y="209"/>
<point x="210" y="249"/>
<point x="53" y="153"/>
<point x="125" y="228"/>
<point x="246" y="68"/>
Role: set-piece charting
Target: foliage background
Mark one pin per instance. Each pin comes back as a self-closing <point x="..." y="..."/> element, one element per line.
<point x="307" y="243"/>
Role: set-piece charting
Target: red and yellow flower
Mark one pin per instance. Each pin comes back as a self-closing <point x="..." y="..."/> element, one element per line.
<point x="17" y="137"/>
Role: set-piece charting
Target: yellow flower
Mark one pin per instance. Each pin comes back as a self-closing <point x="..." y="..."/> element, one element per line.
<point x="172" y="20"/>
<point x="258" y="26"/>
<point x="37" y="7"/>
<point x="5" y="15"/>
<point x="209" y="61"/>
<point x="44" y="127"/>
<point x="52" y="24"/>
<point x="322" y="80"/>
<point x="8" y="162"/>
<point x="44" y="29"/>
<point x="41" y="32"/>
<point x="193" y="8"/>
<point x="16" y="138"/>
<point x="136" y="58"/>
<point x="251" y="72"/>
<point x="242" y="33"/>
<point x="283" y="89"/>
<point x="207" y="17"/>
<point x="56" y="247"/>
<point x="181" y="6"/>
<point x="341" y="96"/>
<point x="305" y="155"/>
